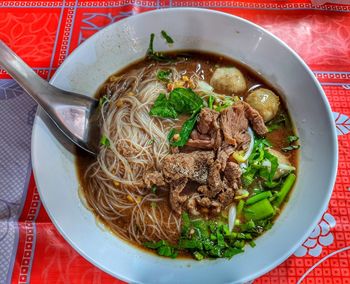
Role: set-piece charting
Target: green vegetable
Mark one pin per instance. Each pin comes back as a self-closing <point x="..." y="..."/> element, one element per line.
<point x="228" y="101"/>
<point x="154" y="189"/>
<point x="292" y="138"/>
<point x="264" y="224"/>
<point x="189" y="244"/>
<point x="258" y="197"/>
<point x="163" y="108"/>
<point x="290" y="148"/>
<point x="239" y="244"/>
<point x="274" y="164"/>
<point x="167" y="251"/>
<point x="211" y="100"/>
<point x="205" y="239"/>
<point x="163" y="75"/>
<point x="259" y="210"/>
<point x="230" y="252"/>
<point x="104" y="141"/>
<point x="185" y="225"/>
<point x="163" y="248"/>
<point x="184" y="133"/>
<point x="153" y="245"/>
<point x="240" y="207"/>
<point x="151" y="54"/>
<point x="198" y="255"/>
<point x="185" y="101"/>
<point x="248" y="226"/>
<point x="286" y="187"/>
<point x="167" y="38"/>
<point x="252" y="244"/>
<point x="279" y="121"/>
<point x="181" y="101"/>
<point x="255" y="160"/>
<point x="151" y="141"/>
<point x="103" y="100"/>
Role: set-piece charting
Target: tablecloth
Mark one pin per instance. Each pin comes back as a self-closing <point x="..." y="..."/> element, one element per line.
<point x="44" y="33"/>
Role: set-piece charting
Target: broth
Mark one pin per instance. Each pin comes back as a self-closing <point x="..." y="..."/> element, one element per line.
<point x="203" y="65"/>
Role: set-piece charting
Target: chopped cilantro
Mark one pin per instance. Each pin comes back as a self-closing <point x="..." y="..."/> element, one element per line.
<point x="104" y="141"/>
<point x="167" y="38"/>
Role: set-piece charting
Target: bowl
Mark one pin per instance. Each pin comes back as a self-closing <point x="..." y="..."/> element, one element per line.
<point x="122" y="43"/>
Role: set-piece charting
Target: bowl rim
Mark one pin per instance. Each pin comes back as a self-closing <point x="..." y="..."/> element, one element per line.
<point x="321" y="92"/>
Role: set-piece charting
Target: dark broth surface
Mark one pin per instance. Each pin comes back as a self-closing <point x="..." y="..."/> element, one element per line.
<point x="204" y="65"/>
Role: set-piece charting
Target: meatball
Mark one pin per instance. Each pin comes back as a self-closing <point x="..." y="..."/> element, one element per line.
<point x="265" y="102"/>
<point x="228" y="80"/>
<point x="284" y="165"/>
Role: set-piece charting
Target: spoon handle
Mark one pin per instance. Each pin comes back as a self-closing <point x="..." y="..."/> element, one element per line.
<point x="32" y="83"/>
<point x="71" y="112"/>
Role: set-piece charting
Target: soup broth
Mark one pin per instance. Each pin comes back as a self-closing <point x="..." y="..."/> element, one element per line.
<point x="133" y="185"/>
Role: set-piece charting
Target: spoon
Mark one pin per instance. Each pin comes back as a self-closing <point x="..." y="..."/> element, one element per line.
<point x="77" y="116"/>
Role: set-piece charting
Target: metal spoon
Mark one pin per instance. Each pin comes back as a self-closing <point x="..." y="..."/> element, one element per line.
<point x="74" y="114"/>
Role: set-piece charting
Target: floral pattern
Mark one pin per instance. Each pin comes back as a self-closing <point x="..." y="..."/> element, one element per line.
<point x="342" y="123"/>
<point x="320" y="237"/>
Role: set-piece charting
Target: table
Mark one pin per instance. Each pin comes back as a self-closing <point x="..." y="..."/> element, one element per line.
<point x="44" y="33"/>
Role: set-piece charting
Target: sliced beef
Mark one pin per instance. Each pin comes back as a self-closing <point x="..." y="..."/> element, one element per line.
<point x="200" y="141"/>
<point x="194" y="166"/>
<point x="226" y="197"/>
<point x="207" y="134"/>
<point x="255" y="119"/>
<point x="154" y="178"/>
<point x="214" y="176"/>
<point x="179" y="169"/>
<point x="234" y="125"/>
<point x="192" y="205"/>
<point x="207" y="121"/>
<point x="223" y="155"/>
<point x="233" y="175"/>
<point x="214" y="180"/>
<point x="197" y="205"/>
<point x="208" y="205"/>
<point x="175" y="197"/>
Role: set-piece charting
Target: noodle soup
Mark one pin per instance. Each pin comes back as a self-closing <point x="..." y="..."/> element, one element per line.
<point x="198" y="155"/>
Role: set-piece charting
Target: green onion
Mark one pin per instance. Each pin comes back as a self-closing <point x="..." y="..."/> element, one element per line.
<point x="189" y="244"/>
<point x="248" y="226"/>
<point x="103" y="100"/>
<point x="167" y="38"/>
<point x="197" y="255"/>
<point x="258" y="197"/>
<point x="186" y="222"/>
<point x="252" y="244"/>
<point x="154" y="189"/>
<point x="290" y="148"/>
<point x="292" y="138"/>
<point x="240" y="207"/>
<point x="163" y="75"/>
<point x="259" y="210"/>
<point x="155" y="245"/>
<point x="286" y="187"/>
<point x="151" y="54"/>
<point x="104" y="141"/>
<point x="211" y="101"/>
<point x="230" y="252"/>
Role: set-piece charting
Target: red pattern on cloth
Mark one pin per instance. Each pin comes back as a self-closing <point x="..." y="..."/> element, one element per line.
<point x="45" y="36"/>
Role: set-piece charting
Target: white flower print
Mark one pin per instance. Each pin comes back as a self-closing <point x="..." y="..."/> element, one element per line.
<point x="320" y="237"/>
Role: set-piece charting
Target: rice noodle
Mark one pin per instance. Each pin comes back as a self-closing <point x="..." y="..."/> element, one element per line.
<point x="138" y="143"/>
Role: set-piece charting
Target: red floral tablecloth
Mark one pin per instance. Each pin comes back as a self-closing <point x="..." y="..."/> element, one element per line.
<point x="44" y="33"/>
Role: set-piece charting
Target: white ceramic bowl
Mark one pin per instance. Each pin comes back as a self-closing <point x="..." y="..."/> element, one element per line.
<point x="123" y="42"/>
